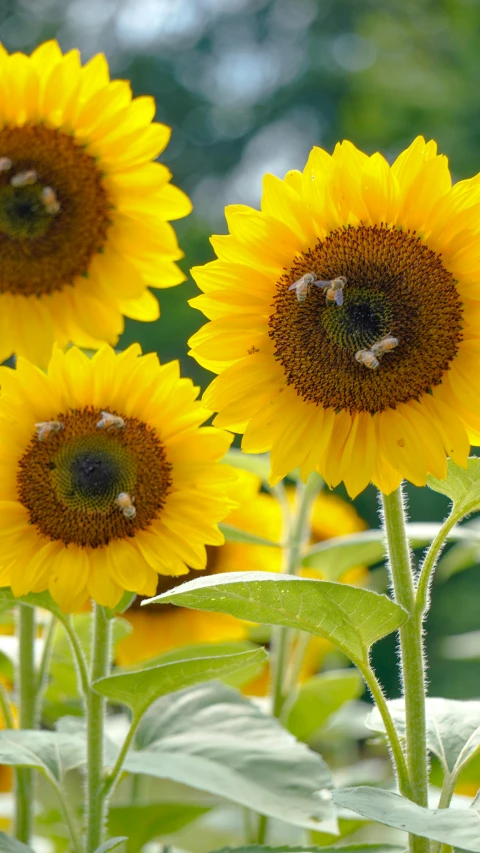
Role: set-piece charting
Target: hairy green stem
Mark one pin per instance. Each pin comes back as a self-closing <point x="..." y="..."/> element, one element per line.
<point x="69" y="820"/>
<point x="411" y="654"/>
<point x="26" y="690"/>
<point x="45" y="664"/>
<point x="96" y="705"/>
<point x="392" y="734"/>
<point x="429" y="563"/>
<point x="114" y="776"/>
<point x="78" y="656"/>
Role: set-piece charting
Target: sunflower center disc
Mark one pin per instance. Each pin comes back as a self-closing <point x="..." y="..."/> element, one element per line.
<point x="395" y="286"/>
<point x="22" y="213"/>
<point x="41" y="253"/>
<point x="70" y="481"/>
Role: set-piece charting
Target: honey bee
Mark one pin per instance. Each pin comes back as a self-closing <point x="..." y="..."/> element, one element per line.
<point x="50" y="200"/>
<point x="334" y="289"/>
<point x="303" y="285"/>
<point x="371" y="357"/>
<point x="385" y="345"/>
<point x="125" y="503"/>
<point x="368" y="358"/>
<point x="23" y="179"/>
<point x="5" y="164"/>
<point x="46" y="428"/>
<point x="109" y="421"/>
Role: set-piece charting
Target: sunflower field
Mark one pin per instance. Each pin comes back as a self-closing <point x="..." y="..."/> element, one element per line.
<point x="239" y="426"/>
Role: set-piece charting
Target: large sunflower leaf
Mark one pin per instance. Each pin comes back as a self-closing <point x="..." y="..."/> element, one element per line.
<point x="350" y="617"/>
<point x="455" y="827"/>
<point x="212" y="738"/>
<point x="462" y="486"/>
<point x="453" y="729"/>
<point x="139" y="689"/>
<point x="54" y="753"/>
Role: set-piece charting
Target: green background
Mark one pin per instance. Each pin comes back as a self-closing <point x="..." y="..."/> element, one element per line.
<point x="248" y="86"/>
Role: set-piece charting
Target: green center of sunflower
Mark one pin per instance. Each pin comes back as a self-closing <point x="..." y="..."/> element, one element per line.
<point x="86" y="485"/>
<point x="395" y="286"/>
<point x="23" y="214"/>
<point x="54" y="210"/>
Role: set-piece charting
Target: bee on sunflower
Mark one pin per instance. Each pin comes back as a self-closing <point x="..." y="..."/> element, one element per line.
<point x="84" y="210"/>
<point x="108" y="476"/>
<point x="344" y="319"/>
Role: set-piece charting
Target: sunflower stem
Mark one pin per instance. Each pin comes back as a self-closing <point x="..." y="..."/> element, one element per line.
<point x="96" y="706"/>
<point x="114" y="776"/>
<point x="411" y="653"/>
<point x="26" y="691"/>
<point x="45" y="665"/>
<point x="299" y="535"/>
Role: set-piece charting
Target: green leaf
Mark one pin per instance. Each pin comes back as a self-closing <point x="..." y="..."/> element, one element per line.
<point x="33" y="599"/>
<point x="11" y="845"/>
<point x="212" y="738"/>
<point x="139" y="689"/>
<point x="111" y="844"/>
<point x="146" y="821"/>
<point x="235" y="534"/>
<point x="256" y="463"/>
<point x="204" y="650"/>
<point x="54" y="753"/>
<point x="318" y="698"/>
<point x="350" y="617"/>
<point x="335" y="556"/>
<point x="462" y="486"/>
<point x="453" y="729"/>
<point x="456" y="827"/>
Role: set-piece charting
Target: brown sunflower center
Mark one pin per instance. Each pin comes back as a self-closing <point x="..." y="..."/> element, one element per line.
<point x="396" y="287"/>
<point x="86" y="484"/>
<point x="54" y="211"/>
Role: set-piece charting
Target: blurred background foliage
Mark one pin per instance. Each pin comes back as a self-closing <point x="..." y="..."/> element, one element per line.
<point x="249" y="86"/>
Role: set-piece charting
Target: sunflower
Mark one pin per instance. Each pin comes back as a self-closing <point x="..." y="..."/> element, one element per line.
<point x="159" y="628"/>
<point x="345" y="316"/>
<point x="83" y="209"/>
<point x="107" y="478"/>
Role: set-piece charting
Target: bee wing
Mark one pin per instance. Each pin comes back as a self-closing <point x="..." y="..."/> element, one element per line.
<point x="322" y="284"/>
<point x="339" y="297"/>
<point x="294" y="285"/>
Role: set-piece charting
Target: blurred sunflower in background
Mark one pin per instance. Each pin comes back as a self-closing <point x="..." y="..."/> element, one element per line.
<point x="83" y="209"/>
<point x="107" y="478"/>
<point x="160" y="628"/>
<point x="344" y="319"/>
